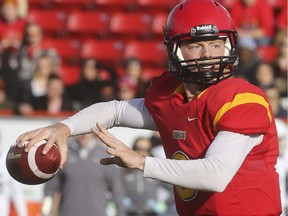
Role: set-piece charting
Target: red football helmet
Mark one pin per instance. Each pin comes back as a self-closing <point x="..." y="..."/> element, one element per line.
<point x="200" y="20"/>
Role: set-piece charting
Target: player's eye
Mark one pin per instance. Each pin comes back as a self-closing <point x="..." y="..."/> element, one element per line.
<point x="193" y="46"/>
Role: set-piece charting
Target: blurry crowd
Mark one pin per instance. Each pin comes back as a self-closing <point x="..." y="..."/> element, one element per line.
<point x="31" y="80"/>
<point x="30" y="83"/>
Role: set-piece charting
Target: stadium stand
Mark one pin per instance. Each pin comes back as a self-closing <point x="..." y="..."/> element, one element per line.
<point x="84" y="24"/>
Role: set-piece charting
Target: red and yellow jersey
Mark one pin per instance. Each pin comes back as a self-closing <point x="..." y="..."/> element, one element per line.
<point x="188" y="128"/>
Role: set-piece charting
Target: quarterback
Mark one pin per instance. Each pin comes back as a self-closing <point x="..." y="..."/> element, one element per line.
<point x="218" y="132"/>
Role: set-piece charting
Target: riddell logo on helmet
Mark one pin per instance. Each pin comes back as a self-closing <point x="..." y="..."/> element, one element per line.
<point x="204" y="27"/>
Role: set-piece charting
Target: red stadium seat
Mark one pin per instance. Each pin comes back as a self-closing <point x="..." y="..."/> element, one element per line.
<point x="127" y="26"/>
<point x="67" y="49"/>
<point x="83" y="24"/>
<point x="71" y="5"/>
<point x="151" y="72"/>
<point x="106" y="51"/>
<point x="39" y="4"/>
<point x="112" y="6"/>
<point x="158" y="22"/>
<point x="156" y="6"/>
<point x="150" y="53"/>
<point x="70" y="74"/>
<point x="267" y="53"/>
<point x="52" y="21"/>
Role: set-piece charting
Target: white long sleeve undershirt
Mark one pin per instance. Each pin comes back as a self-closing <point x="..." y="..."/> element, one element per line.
<point x="132" y="113"/>
<point x="214" y="172"/>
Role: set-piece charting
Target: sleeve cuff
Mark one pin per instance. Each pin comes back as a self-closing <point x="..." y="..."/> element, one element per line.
<point x="147" y="167"/>
<point x="68" y="123"/>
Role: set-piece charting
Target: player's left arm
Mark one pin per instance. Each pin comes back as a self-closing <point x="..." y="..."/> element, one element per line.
<point x="214" y="172"/>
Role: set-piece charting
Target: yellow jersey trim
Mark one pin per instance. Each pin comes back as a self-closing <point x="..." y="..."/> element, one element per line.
<point x="243" y="98"/>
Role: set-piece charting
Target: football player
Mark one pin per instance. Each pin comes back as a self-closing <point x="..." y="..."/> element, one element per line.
<point x="218" y="132"/>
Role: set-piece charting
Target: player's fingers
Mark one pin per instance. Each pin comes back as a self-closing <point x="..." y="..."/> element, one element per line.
<point x="48" y="146"/>
<point x="24" y="138"/>
<point x="108" y="161"/>
<point x="40" y="135"/>
<point x="104" y="131"/>
<point x="61" y="142"/>
<point x="63" y="152"/>
<point x="62" y="148"/>
<point x="108" y="141"/>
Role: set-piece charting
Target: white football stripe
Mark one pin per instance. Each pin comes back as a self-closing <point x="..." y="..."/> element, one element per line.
<point x="32" y="163"/>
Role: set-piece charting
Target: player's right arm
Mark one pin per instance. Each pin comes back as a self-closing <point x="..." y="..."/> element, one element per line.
<point x="131" y="113"/>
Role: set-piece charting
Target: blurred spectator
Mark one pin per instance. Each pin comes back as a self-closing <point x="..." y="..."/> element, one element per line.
<point x="273" y="95"/>
<point x="19" y="66"/>
<point x="5" y="102"/>
<point x="248" y="59"/>
<point x="97" y="82"/>
<point x="11" y="25"/>
<point x="83" y="182"/>
<point x="145" y="197"/>
<point x="107" y="92"/>
<point x="264" y="75"/>
<point x="126" y="88"/>
<point x="35" y="87"/>
<point x="32" y="48"/>
<point x="281" y="65"/>
<point x="255" y="19"/>
<point x="55" y="101"/>
<point x="134" y="69"/>
<point x="12" y="28"/>
<point x="10" y="191"/>
<point x="281" y="60"/>
<point x="23" y="8"/>
<point x="281" y="20"/>
<point x="157" y="148"/>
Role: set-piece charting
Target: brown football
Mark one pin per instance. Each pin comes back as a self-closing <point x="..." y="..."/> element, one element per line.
<point x="33" y="167"/>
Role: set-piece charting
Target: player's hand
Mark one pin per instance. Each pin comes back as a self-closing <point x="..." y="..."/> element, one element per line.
<point x="56" y="133"/>
<point x="123" y="156"/>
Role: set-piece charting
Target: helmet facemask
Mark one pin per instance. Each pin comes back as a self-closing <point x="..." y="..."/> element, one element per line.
<point x="204" y="71"/>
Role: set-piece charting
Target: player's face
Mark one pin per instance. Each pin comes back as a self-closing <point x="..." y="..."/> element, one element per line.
<point x="202" y="49"/>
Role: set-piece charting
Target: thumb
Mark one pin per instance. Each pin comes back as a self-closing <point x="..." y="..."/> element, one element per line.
<point x="107" y="161"/>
